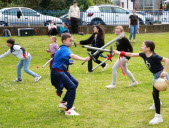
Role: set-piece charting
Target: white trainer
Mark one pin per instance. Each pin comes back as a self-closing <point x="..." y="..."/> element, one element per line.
<point x="133" y="84"/>
<point x="157" y="119"/>
<point x="153" y="106"/>
<point x="64" y="105"/>
<point x="37" y="78"/>
<point x="71" y="112"/>
<point x="110" y="86"/>
<point x="106" y="66"/>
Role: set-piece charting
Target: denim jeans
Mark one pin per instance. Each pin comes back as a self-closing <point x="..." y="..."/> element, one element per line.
<point x="25" y="63"/>
<point x="133" y="31"/>
<point x="62" y="80"/>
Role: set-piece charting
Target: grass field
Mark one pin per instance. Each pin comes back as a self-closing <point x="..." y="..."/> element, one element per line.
<point x="34" y="105"/>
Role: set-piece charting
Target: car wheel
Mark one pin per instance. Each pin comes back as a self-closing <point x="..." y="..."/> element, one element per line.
<point x="97" y="21"/>
<point x="2" y="23"/>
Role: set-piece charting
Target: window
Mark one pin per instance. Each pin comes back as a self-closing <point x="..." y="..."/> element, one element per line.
<point x="28" y="12"/>
<point x="11" y="12"/>
<point x="106" y="9"/>
<point x="119" y="10"/>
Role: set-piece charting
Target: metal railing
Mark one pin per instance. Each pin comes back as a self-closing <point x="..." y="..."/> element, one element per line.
<point x="37" y="18"/>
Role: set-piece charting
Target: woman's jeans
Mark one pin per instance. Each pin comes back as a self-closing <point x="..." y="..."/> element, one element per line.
<point x="133" y="31"/>
<point x="25" y="63"/>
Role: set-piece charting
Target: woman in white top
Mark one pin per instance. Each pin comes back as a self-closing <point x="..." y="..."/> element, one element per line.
<point x="52" y="28"/>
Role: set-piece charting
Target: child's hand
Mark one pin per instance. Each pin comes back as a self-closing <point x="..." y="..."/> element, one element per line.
<point x="116" y="52"/>
<point x="71" y="62"/>
<point x="163" y="74"/>
<point x="87" y="58"/>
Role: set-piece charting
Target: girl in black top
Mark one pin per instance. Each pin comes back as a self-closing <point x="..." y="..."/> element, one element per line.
<point x="122" y="44"/>
<point x="96" y="40"/>
<point x="133" y="25"/>
<point x="153" y="63"/>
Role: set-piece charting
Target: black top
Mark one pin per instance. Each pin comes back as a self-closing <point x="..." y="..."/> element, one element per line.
<point x="124" y="45"/>
<point x="97" y="41"/>
<point x="133" y="19"/>
<point x="153" y="63"/>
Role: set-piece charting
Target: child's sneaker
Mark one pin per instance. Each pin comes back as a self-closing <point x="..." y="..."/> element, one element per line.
<point x="105" y="67"/>
<point x="71" y="112"/>
<point x="37" y="78"/>
<point x="110" y="86"/>
<point x="17" y="80"/>
<point x="64" y="105"/>
<point x="157" y="119"/>
<point x="133" y="84"/>
<point x="153" y="106"/>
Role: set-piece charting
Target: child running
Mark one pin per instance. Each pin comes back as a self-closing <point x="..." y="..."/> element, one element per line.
<point x="25" y="59"/>
<point x="153" y="63"/>
<point x="61" y="78"/>
<point x="122" y="44"/>
<point x="52" y="48"/>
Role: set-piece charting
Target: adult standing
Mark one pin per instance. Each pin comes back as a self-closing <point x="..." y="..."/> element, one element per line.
<point x="133" y="25"/>
<point x="74" y="15"/>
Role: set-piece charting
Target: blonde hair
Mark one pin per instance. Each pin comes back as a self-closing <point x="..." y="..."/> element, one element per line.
<point x="53" y="38"/>
<point x="120" y="27"/>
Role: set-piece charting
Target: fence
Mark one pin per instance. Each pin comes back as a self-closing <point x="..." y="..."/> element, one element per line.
<point x="29" y="17"/>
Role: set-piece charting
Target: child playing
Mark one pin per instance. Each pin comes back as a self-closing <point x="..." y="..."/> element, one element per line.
<point x="60" y="78"/>
<point x="153" y="63"/>
<point x="63" y="29"/>
<point x="52" y="48"/>
<point x="24" y="57"/>
<point x="122" y="44"/>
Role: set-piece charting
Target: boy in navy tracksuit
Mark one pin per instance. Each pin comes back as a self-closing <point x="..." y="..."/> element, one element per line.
<point x="60" y="78"/>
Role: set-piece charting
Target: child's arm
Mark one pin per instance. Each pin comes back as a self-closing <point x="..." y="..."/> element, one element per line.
<point x="166" y="64"/>
<point x="129" y="54"/>
<point x="5" y="54"/>
<point x="76" y="57"/>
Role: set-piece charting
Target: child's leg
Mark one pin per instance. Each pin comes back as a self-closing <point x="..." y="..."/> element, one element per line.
<point x="19" y="67"/>
<point x="26" y="63"/>
<point x="70" y="84"/>
<point x="156" y="98"/>
<point x="90" y="65"/>
<point x="56" y="81"/>
<point x="114" y="71"/>
<point x="129" y="74"/>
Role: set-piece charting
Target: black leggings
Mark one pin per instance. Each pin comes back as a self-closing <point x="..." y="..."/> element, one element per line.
<point x="156" y="98"/>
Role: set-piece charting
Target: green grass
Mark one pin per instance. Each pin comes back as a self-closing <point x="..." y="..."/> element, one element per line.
<point x="34" y="105"/>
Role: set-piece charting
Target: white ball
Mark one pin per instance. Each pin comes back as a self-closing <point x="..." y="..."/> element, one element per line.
<point x="161" y="84"/>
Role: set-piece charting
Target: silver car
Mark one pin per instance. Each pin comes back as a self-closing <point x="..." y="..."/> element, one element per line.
<point x="21" y="16"/>
<point x="107" y="14"/>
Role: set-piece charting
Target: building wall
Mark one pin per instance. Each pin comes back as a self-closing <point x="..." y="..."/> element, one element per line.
<point x="127" y="4"/>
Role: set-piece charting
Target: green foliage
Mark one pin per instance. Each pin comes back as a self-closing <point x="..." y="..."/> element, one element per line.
<point x="34" y="105"/>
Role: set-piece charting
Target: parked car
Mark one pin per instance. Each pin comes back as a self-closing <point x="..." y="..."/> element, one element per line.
<point x="24" y="16"/>
<point x="148" y="16"/>
<point x="109" y="15"/>
<point x="66" y="20"/>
